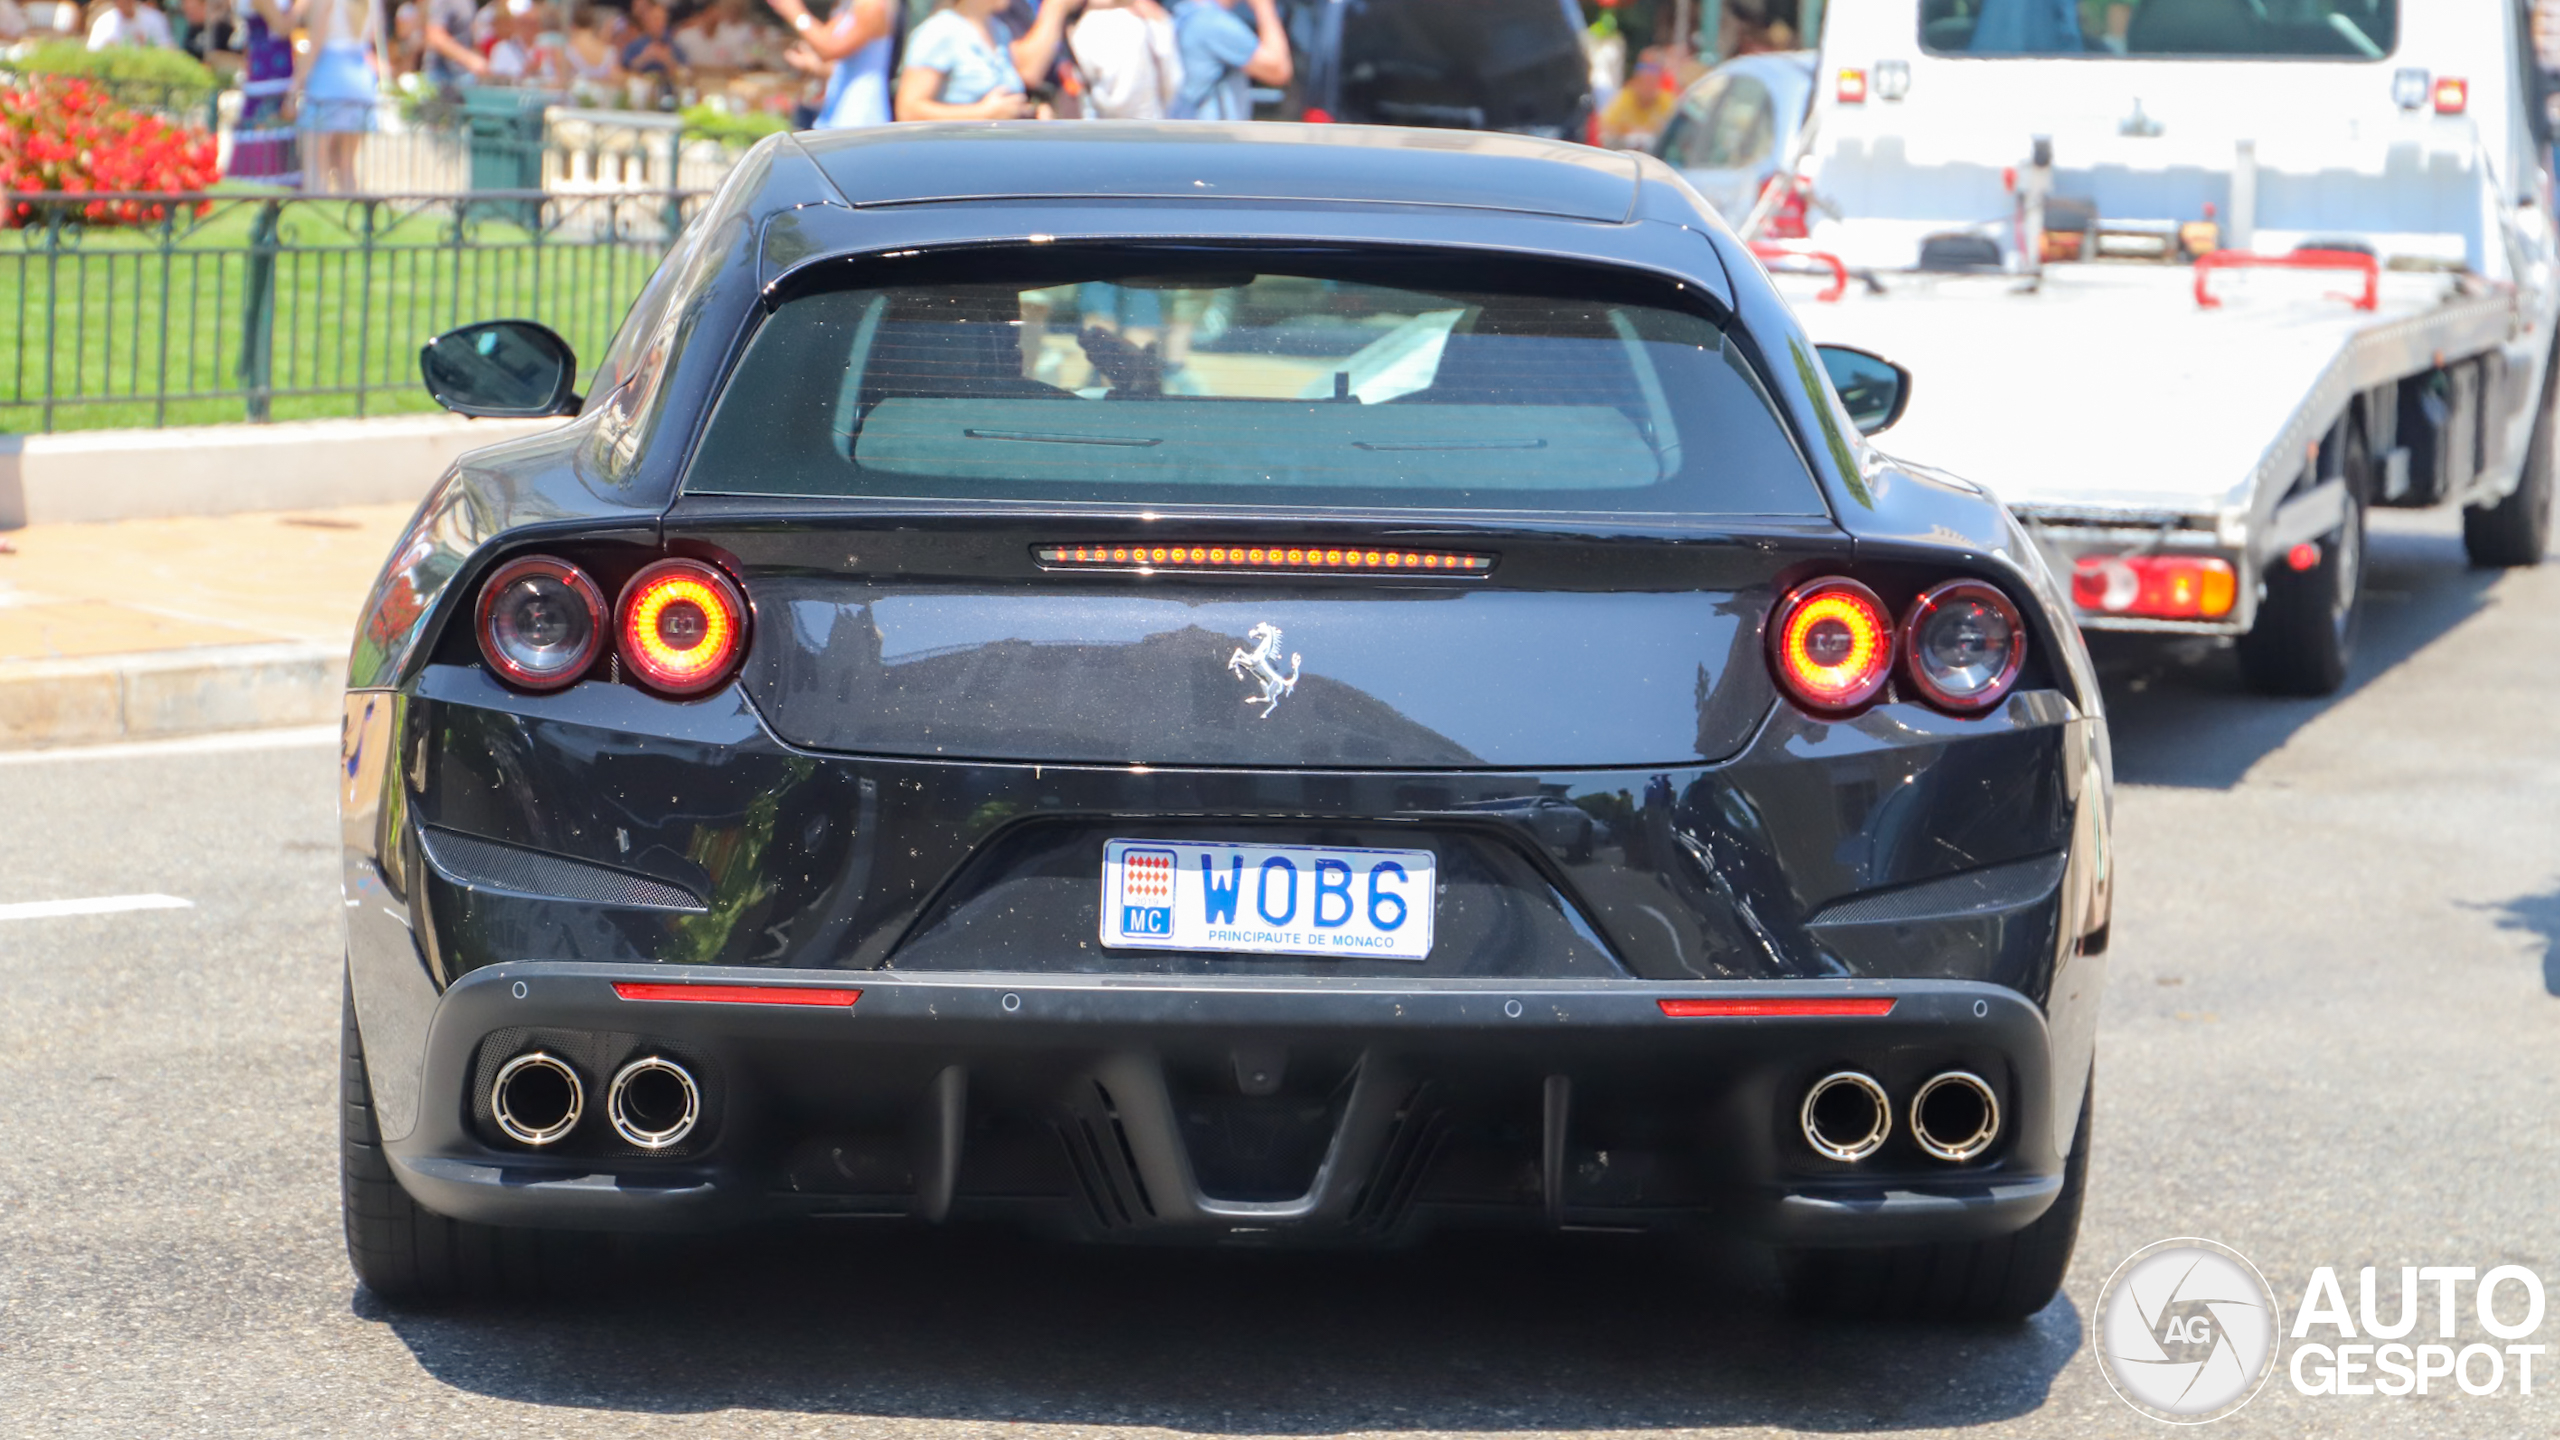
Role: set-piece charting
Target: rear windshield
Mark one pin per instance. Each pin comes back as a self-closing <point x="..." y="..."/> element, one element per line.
<point x="2251" y="29"/>
<point x="1123" y="379"/>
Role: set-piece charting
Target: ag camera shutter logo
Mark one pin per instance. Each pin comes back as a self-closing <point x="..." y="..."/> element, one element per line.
<point x="2187" y="1331"/>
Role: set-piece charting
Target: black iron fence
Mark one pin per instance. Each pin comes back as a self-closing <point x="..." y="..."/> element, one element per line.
<point x="222" y="307"/>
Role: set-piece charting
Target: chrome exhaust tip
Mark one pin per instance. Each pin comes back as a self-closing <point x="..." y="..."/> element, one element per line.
<point x="1846" y="1116"/>
<point x="536" y="1098"/>
<point x="1955" y="1117"/>
<point x="653" y="1102"/>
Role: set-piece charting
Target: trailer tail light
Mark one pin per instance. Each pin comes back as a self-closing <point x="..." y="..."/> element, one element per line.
<point x="2155" y="587"/>
<point x="2452" y="96"/>
<point x="1832" y="645"/>
<point x="683" y="626"/>
<point x="1853" y="87"/>
<point x="541" y="622"/>
<point x="1963" y="645"/>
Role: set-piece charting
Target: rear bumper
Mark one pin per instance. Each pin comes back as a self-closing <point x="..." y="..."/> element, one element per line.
<point x="1118" y="1108"/>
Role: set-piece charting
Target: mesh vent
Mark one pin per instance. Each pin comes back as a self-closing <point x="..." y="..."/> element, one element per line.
<point x="487" y="865"/>
<point x="1975" y="892"/>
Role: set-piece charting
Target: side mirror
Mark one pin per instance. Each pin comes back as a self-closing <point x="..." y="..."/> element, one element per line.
<point x="508" y="369"/>
<point x="1875" y="389"/>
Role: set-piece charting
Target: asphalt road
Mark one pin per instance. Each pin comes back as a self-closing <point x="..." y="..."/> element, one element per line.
<point x="2328" y="1041"/>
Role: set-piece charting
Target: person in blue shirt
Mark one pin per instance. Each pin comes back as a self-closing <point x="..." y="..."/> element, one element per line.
<point x="853" y="49"/>
<point x="964" y="63"/>
<point x="1223" y="58"/>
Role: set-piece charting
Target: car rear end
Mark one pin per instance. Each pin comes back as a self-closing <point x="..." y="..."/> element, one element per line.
<point x="1217" y="739"/>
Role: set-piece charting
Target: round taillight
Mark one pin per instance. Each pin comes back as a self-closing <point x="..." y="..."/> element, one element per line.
<point x="1963" y="643"/>
<point x="541" y="621"/>
<point x="683" y="624"/>
<point x="1832" y="644"/>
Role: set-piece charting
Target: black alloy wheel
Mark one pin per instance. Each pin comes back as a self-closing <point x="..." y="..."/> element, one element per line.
<point x="2305" y="635"/>
<point x="404" y="1252"/>
<point x="2517" y="530"/>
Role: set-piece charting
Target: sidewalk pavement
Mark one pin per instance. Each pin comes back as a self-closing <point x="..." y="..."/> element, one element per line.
<point x="129" y="629"/>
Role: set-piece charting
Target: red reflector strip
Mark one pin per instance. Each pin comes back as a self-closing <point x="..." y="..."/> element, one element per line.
<point x="737" y="994"/>
<point x="1262" y="557"/>
<point x="1752" y="1009"/>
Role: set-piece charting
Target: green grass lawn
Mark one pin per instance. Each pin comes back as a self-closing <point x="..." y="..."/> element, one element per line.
<point x="107" y="321"/>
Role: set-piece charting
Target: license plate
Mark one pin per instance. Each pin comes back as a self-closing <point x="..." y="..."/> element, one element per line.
<point x="1267" y="899"/>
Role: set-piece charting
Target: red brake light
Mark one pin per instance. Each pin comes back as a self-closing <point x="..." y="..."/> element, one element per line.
<point x="1739" y="1009"/>
<point x="1853" y="87"/>
<point x="736" y="994"/>
<point x="1317" y="115"/>
<point x="683" y="625"/>
<point x="1832" y="645"/>
<point x="2452" y="96"/>
<point x="1963" y="645"/>
<point x="541" y="621"/>
<point x="2158" y="587"/>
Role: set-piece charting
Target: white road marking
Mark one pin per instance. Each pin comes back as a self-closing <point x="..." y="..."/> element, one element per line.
<point x="97" y="905"/>
<point x="282" y="738"/>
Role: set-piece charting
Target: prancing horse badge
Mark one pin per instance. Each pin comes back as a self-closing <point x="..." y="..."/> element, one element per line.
<point x="1262" y="663"/>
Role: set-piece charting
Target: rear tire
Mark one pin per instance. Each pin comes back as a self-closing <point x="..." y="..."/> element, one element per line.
<point x="403" y="1251"/>
<point x="2517" y="530"/>
<point x="2305" y="636"/>
<point x="2008" y="1278"/>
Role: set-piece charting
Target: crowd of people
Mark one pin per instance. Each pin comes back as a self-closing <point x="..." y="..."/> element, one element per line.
<point x="314" y="73"/>
<point x="864" y="61"/>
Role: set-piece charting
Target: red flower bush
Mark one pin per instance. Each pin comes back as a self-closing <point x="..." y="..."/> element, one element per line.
<point x="64" y="136"/>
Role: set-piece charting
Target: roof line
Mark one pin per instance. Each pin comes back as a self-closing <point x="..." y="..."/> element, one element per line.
<point x="1196" y="198"/>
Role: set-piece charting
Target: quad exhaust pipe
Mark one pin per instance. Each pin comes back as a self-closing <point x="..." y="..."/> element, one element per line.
<point x="1846" y="1116"/>
<point x="1955" y="1117"/>
<point x="537" y="1099"/>
<point x="653" y="1102"/>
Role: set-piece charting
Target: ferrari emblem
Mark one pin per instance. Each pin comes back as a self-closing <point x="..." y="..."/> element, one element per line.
<point x="1262" y="664"/>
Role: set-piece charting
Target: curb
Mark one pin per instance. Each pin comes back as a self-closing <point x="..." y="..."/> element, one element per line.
<point x="86" y="475"/>
<point x="160" y="693"/>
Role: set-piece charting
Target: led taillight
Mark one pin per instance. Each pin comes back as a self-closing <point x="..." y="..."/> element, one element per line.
<point x="541" y="622"/>
<point x="1207" y="557"/>
<point x="683" y="626"/>
<point x="1963" y="644"/>
<point x="1853" y="87"/>
<point x="2452" y="96"/>
<point x="1832" y="644"/>
<point x="2155" y="587"/>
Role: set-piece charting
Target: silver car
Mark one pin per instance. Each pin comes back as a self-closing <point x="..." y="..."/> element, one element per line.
<point x="1737" y="124"/>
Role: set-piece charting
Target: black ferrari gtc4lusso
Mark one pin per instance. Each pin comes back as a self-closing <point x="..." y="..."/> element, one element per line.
<point x="1185" y="682"/>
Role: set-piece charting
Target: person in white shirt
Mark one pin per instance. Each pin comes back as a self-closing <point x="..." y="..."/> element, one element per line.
<point x="129" y="22"/>
<point x="1129" y="58"/>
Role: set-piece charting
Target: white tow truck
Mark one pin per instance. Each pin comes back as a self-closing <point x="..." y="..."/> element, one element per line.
<point x="2192" y="283"/>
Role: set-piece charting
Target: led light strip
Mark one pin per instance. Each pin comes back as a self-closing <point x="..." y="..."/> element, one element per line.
<point x="1343" y="558"/>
